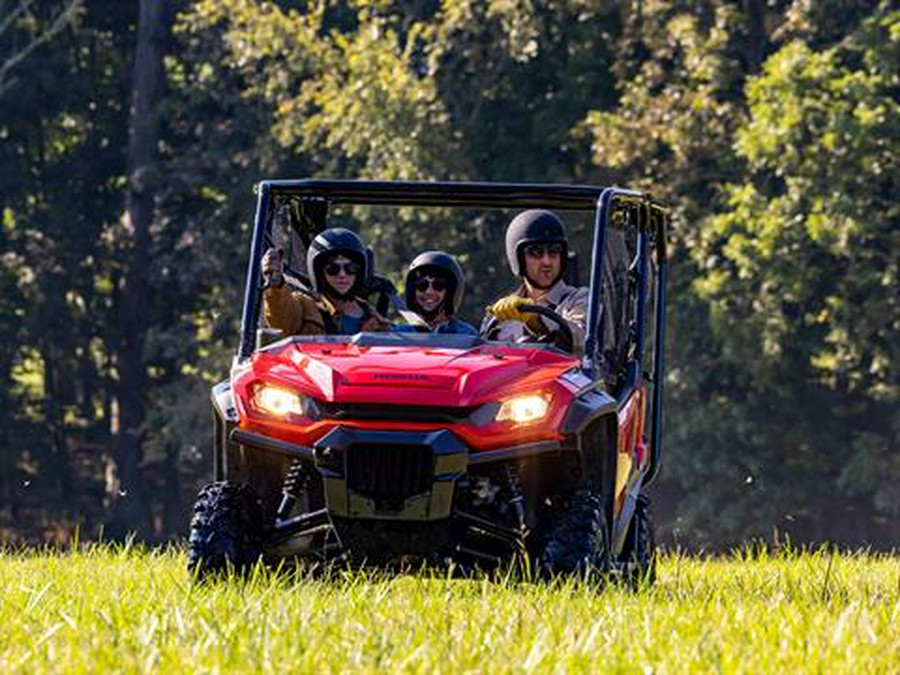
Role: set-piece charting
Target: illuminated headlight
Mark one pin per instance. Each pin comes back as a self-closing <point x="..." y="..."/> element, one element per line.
<point x="524" y="409"/>
<point x="282" y="402"/>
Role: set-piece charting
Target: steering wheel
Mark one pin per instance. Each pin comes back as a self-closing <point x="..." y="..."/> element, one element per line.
<point x="562" y="336"/>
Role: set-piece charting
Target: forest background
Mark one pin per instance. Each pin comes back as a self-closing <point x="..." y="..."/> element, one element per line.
<point x="131" y="134"/>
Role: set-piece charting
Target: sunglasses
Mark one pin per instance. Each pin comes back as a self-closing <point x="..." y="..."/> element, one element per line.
<point x="424" y="283"/>
<point x="540" y="250"/>
<point x="332" y="269"/>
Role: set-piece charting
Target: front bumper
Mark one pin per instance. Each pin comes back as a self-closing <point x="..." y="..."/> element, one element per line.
<point x="391" y="475"/>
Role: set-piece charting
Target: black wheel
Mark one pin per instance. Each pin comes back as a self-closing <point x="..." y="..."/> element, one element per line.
<point x="638" y="558"/>
<point x="226" y="530"/>
<point x="577" y="544"/>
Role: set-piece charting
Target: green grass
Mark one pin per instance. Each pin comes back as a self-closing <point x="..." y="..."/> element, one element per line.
<point x="130" y="610"/>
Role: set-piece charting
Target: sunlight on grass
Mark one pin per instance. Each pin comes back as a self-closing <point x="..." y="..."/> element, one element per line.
<point x="134" y="610"/>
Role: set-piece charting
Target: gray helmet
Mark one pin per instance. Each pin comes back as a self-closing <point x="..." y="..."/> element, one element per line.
<point x="442" y="264"/>
<point x="329" y="243"/>
<point x="535" y="226"/>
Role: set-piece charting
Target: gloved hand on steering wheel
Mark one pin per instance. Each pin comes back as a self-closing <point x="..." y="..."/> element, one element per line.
<point x="508" y="309"/>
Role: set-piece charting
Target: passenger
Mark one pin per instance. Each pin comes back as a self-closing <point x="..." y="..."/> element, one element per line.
<point x="336" y="262"/>
<point x="537" y="250"/>
<point x="291" y="311"/>
<point x="435" y="285"/>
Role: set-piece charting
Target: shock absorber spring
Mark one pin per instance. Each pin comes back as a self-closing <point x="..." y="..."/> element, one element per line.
<point x="517" y="499"/>
<point x="294" y="482"/>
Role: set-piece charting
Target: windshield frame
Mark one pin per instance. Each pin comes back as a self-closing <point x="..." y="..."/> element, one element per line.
<point x="601" y="200"/>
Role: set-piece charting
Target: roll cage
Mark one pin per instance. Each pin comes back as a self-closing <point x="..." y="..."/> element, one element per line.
<point x="649" y="218"/>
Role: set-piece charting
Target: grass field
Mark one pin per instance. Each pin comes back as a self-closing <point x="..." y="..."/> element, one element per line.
<point x="132" y="610"/>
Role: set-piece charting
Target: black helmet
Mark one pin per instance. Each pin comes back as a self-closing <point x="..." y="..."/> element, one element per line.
<point x="532" y="227"/>
<point x="331" y="242"/>
<point x="442" y="264"/>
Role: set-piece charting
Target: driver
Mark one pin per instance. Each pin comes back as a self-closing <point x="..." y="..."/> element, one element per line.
<point x="537" y="249"/>
<point x="336" y="261"/>
<point x="435" y="284"/>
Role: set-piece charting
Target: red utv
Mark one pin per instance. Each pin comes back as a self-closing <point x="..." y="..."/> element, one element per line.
<point x="385" y="448"/>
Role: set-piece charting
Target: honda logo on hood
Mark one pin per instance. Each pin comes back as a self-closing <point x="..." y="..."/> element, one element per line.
<point x="398" y="376"/>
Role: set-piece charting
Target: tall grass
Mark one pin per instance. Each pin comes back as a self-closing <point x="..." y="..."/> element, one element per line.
<point x="125" y="609"/>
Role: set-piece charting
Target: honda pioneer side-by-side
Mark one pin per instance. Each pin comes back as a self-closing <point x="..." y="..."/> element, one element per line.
<point x="426" y="448"/>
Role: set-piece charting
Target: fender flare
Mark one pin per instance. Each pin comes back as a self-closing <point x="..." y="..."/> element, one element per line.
<point x="225" y="418"/>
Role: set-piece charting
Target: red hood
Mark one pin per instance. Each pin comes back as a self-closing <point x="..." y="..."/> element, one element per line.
<point x="407" y="375"/>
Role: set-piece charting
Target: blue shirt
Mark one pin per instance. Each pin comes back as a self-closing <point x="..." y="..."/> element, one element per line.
<point x="351" y="325"/>
<point x="453" y="327"/>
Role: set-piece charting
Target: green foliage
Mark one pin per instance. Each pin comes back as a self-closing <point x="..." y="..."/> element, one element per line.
<point x="778" y="160"/>
<point x="678" y="106"/>
<point x="61" y="133"/>
<point x="801" y="270"/>
<point x="352" y="101"/>
<point x="770" y="128"/>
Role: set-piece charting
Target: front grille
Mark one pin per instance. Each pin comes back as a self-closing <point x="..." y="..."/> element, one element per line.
<point x="389" y="474"/>
<point x="403" y="413"/>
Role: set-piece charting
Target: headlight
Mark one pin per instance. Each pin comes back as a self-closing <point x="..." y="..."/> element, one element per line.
<point x="282" y="402"/>
<point x="524" y="409"/>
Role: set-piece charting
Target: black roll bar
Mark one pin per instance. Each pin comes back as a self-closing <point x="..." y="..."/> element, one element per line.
<point x="659" y="345"/>
<point x="252" y="292"/>
<point x="594" y="334"/>
<point x="655" y="222"/>
<point x="457" y="194"/>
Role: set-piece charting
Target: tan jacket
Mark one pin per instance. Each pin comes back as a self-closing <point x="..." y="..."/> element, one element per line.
<point x="292" y="312"/>
<point x="296" y="313"/>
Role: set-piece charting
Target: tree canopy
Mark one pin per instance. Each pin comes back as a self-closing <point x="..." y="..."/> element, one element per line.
<point x="770" y="128"/>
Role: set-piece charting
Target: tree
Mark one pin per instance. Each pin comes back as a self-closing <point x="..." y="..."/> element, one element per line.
<point x="713" y="117"/>
<point x="800" y="272"/>
<point x="36" y="29"/>
<point x="61" y="145"/>
<point x="129" y="506"/>
<point x="766" y="126"/>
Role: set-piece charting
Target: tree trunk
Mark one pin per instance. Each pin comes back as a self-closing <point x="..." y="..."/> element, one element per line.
<point x="129" y="504"/>
<point x="757" y="39"/>
<point x="58" y="470"/>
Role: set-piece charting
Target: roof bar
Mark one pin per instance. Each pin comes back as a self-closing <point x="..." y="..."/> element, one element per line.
<point x="460" y="195"/>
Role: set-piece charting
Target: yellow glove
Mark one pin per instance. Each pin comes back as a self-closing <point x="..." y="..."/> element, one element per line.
<point x="507" y="309"/>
